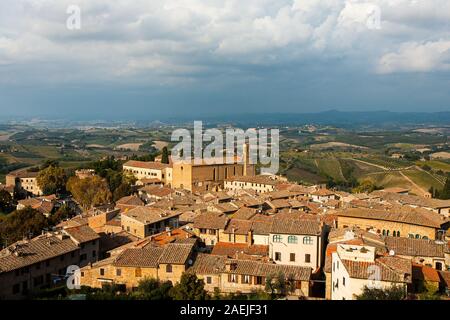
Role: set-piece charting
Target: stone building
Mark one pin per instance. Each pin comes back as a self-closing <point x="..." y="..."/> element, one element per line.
<point x="132" y="265"/>
<point x="24" y="181"/>
<point x="396" y="221"/>
<point x="145" y="221"/>
<point x="149" y="170"/>
<point x="31" y="265"/>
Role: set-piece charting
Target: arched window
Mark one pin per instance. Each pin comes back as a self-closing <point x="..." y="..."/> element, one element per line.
<point x="384" y="232"/>
<point x="277" y="238"/>
<point x="168" y="268"/>
<point x="417" y="236"/>
<point x="387" y="233"/>
<point x="398" y="233"/>
<point x="292" y="239"/>
<point x="425" y="237"/>
<point x="307" y="240"/>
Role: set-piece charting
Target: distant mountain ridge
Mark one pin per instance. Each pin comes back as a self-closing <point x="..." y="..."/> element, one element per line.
<point x="331" y="117"/>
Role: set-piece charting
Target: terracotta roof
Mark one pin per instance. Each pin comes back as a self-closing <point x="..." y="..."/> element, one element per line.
<point x="23" y="173"/>
<point x="278" y="203"/>
<point x="146" y="165"/>
<point x="259" y="179"/>
<point x="170" y="236"/>
<point x="250" y="201"/>
<point x="291" y="226"/>
<point x="262" y="224"/>
<point x="230" y="249"/>
<point x="415" y="247"/>
<point x="407" y="215"/>
<point x="413" y="200"/>
<point x="74" y="222"/>
<point x="139" y="257"/>
<point x="425" y="273"/>
<point x="149" y="215"/>
<point x="282" y="194"/>
<point x="41" y="204"/>
<point x="339" y="234"/>
<point x="255" y="268"/>
<point x="392" y="269"/>
<point x="130" y="200"/>
<point x="25" y="253"/>
<point x="244" y="213"/>
<point x="82" y="234"/>
<point x="157" y="191"/>
<point x="176" y="253"/>
<point x="226" y="207"/>
<point x="210" y="220"/>
<point x="323" y="192"/>
<point x="238" y="226"/>
<point x="208" y="264"/>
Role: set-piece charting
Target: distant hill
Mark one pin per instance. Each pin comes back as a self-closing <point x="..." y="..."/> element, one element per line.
<point x="331" y="117"/>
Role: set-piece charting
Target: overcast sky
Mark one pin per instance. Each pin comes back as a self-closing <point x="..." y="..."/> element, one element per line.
<point x="150" y="58"/>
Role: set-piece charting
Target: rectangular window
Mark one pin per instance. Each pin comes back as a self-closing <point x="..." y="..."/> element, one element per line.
<point x="102" y="272"/>
<point x="259" y="280"/>
<point x="138" y="272"/>
<point x="292" y="257"/>
<point x="208" y="280"/>
<point x="307" y="258"/>
<point x="277" y="238"/>
<point x="343" y="281"/>
<point x="277" y="256"/>
<point x="118" y="272"/>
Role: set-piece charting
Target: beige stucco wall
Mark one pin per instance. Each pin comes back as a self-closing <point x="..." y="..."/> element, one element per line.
<point x="405" y="229"/>
<point x="299" y="249"/>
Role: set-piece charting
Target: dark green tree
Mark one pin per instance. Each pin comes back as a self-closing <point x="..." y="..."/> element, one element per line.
<point x="445" y="193"/>
<point x="62" y="213"/>
<point x="165" y="155"/>
<point x="152" y="289"/>
<point x="6" y="202"/>
<point x="52" y="179"/>
<point x="392" y="293"/>
<point x="270" y="284"/>
<point x="189" y="288"/>
<point x="22" y="223"/>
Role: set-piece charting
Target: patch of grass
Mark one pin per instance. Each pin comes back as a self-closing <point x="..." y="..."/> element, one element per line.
<point x="387" y="180"/>
<point x="435" y="165"/>
<point x="423" y="179"/>
<point x="331" y="167"/>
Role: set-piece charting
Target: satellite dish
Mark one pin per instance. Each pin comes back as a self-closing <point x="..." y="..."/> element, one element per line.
<point x="391" y="252"/>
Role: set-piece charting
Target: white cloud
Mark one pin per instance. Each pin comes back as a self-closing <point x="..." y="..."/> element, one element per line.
<point x="159" y="41"/>
<point x="417" y="57"/>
